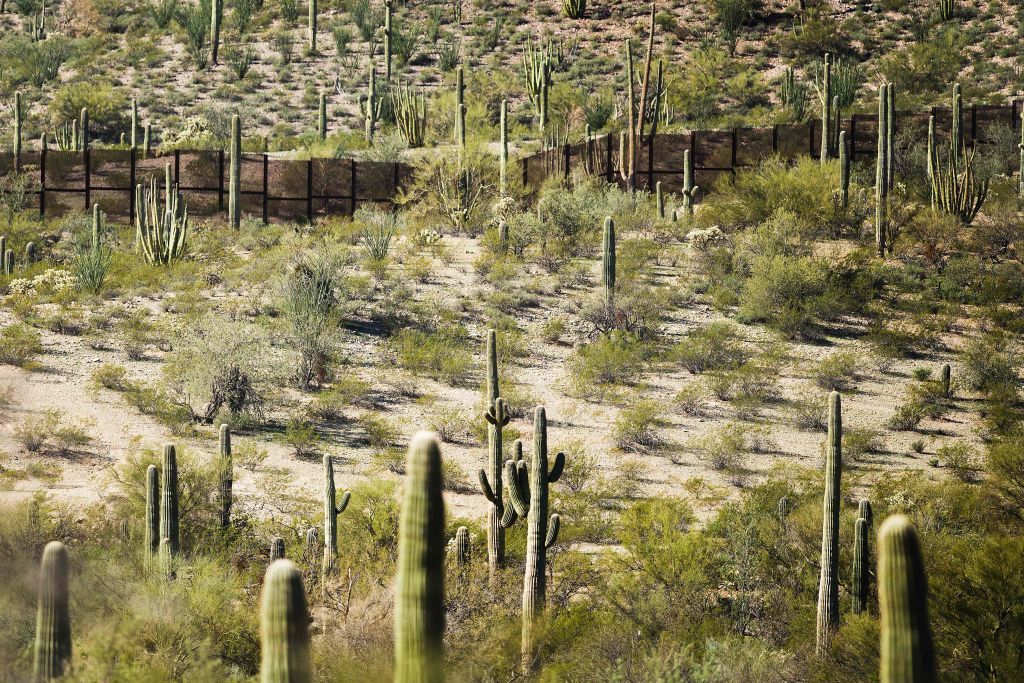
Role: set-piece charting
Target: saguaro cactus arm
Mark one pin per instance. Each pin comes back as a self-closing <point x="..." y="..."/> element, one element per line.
<point x="553" y="525"/>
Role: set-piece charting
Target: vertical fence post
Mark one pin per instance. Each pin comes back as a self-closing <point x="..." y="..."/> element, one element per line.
<point x="42" y="181"/>
<point x="775" y="139"/>
<point x="609" y="170"/>
<point x="177" y="168"/>
<point x="650" y="163"/>
<point x="735" y="142"/>
<point x="266" y="189"/>
<point x="566" y="154"/>
<point x="87" y="158"/>
<point x="974" y="125"/>
<point x="220" y="181"/>
<point x="352" y="187"/>
<point x="853" y="137"/>
<point x="132" y="175"/>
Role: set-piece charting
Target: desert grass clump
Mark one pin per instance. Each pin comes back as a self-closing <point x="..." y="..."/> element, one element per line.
<point x="311" y="298"/>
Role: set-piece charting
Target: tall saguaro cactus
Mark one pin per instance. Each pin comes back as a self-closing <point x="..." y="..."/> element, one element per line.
<point x="312" y="29"/>
<point x="861" y="566"/>
<point x="235" y="173"/>
<point x="499" y="516"/>
<point x="53" y="620"/>
<point x="322" y="116"/>
<point x="83" y="129"/>
<point x="216" y="15"/>
<point x="332" y="508"/>
<point x="17" y="131"/>
<point x="462" y="546"/>
<point x="907" y="652"/>
<point x="372" y="105"/>
<point x="947" y="380"/>
<point x="529" y="495"/>
<point x="226" y="476"/>
<point x="419" y="602"/>
<point x="135" y="123"/>
<point x="284" y="626"/>
<point x="825" y="94"/>
<point x="169" y="500"/>
<point x="881" y="172"/>
<point x="152" y="535"/>
<point x="608" y="262"/>
<point x="890" y="136"/>
<point x="503" y="154"/>
<point x="844" y="170"/>
<point x="689" y="191"/>
<point x="828" y="582"/>
<point x="387" y="40"/>
<point x="659" y="199"/>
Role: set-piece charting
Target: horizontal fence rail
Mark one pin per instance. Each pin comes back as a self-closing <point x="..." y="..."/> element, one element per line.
<point x="716" y="153"/>
<point x="271" y="189"/>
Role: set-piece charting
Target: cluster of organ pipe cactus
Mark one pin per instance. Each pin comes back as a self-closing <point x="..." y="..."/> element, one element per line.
<point x="410" y="114"/>
<point x="639" y="112"/>
<point x="161" y="228"/>
<point x="537" y="69"/>
<point x="956" y="188"/>
<point x="574" y="9"/>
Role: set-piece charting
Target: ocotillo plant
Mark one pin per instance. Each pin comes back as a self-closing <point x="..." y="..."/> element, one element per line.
<point x="312" y="28"/>
<point x="947" y="384"/>
<point x="860" y="577"/>
<point x="410" y="114"/>
<point x="907" y="652"/>
<point x="864" y="511"/>
<point x="462" y="547"/>
<point x="276" y="548"/>
<point x="531" y="502"/>
<point x="226" y="476"/>
<point x="503" y="152"/>
<point x="372" y="105"/>
<point x="638" y="110"/>
<point x="828" y="583"/>
<point x="689" y="191"/>
<point x="161" y="229"/>
<point x="419" y="600"/>
<point x="332" y="508"/>
<point x="844" y="170"/>
<point x="499" y="516"/>
<point x="169" y="500"/>
<point x="235" y="173"/>
<point x="322" y="116"/>
<point x="881" y="172"/>
<point x="284" y="626"/>
<point x="608" y="262"/>
<point x="216" y="15"/>
<point x="152" y="513"/>
<point x="17" y="132"/>
<point x="53" y="620"/>
<point x="825" y="95"/>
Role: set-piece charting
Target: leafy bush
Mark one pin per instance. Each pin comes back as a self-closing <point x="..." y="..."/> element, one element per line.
<point x="312" y="294"/>
<point x="108" y="108"/>
<point x="51" y="426"/>
<point x="611" y="359"/>
<point x="858" y="442"/>
<point x="989" y="364"/>
<point x="837" y="371"/>
<point x="715" y="346"/>
<point x="440" y="355"/>
<point x="636" y="427"/>
<point x="19" y="345"/>
<point x="959" y="457"/>
<point x="723" y="448"/>
<point x="111" y="376"/>
<point x="785" y="293"/>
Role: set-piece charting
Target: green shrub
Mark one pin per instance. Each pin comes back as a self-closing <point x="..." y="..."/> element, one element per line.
<point x="19" y="345"/>
<point x="859" y="441"/>
<point x="612" y="359"/>
<point x="302" y="438"/>
<point x="837" y="371"/>
<point x="440" y="355"/>
<point x="715" y="346"/>
<point x="989" y="364"/>
<point x="784" y="293"/>
<point x="810" y="411"/>
<point x="907" y="417"/>
<point x="723" y="448"/>
<point x="108" y="108"/>
<point x="961" y="458"/>
<point x="636" y="427"/>
<point x="111" y="376"/>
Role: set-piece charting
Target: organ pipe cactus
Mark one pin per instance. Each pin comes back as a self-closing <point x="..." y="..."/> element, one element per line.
<point x="372" y="105"/>
<point x="608" y="261"/>
<point x="828" y="583"/>
<point x="234" y="172"/>
<point x="152" y="536"/>
<point x="881" y="172"/>
<point x="419" y="600"/>
<point x="226" y="476"/>
<point x="537" y="69"/>
<point x="332" y="508"/>
<point x="530" y="498"/>
<point x="462" y="547"/>
<point x="410" y="114"/>
<point x="860" y="577"/>
<point x="907" y="652"/>
<point x="689" y="192"/>
<point x="53" y="620"/>
<point x="169" y="530"/>
<point x="574" y="9"/>
<point x="284" y="626"/>
<point x="956" y="187"/>
<point x="161" y="229"/>
<point x="499" y="515"/>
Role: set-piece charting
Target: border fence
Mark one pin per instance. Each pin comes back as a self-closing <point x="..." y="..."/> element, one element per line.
<point x="293" y="190"/>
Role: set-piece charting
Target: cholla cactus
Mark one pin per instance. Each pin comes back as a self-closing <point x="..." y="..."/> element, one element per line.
<point x="161" y="229"/>
<point x="53" y="621"/>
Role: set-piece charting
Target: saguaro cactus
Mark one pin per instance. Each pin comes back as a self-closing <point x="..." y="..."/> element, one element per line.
<point x="135" y="123"/>
<point x="387" y="40"/>
<point x="828" y="583"/>
<point x="152" y="535"/>
<point x="147" y="140"/>
<point x="419" y="603"/>
<point x="689" y="192"/>
<point x="276" y="548"/>
<point x="782" y="509"/>
<point x="825" y="95"/>
<point x="608" y="262"/>
<point x="907" y="652"/>
<point x="890" y="136"/>
<point x="372" y="105"/>
<point x="284" y="626"/>
<point x="1020" y="168"/>
<point x="235" y="173"/>
<point x="947" y="384"/>
<point x="169" y="500"/>
<point x="864" y="511"/>
<point x="17" y="131"/>
<point x="165" y="560"/>
<point x="462" y="547"/>
<point x="322" y="116"/>
<point x="537" y="69"/>
<point x="53" y="621"/>
<point x="659" y="199"/>
<point x="83" y="129"/>
<point x="332" y="508"/>
<point x="311" y="37"/>
<point x="499" y="516"/>
<point x="881" y="172"/>
<point x="503" y="152"/>
<point x="860" y="578"/>
<point x="226" y="476"/>
<point x="216" y="15"/>
<point x="530" y="498"/>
